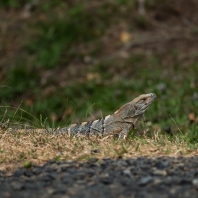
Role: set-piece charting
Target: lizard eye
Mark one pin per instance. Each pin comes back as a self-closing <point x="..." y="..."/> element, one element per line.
<point x="143" y="100"/>
<point x="135" y="107"/>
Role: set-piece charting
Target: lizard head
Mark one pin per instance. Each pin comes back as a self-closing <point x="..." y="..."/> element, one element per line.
<point x="142" y="102"/>
<point x="137" y="106"/>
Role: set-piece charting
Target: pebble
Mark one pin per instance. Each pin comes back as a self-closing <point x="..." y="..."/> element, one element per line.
<point x="127" y="172"/>
<point x="145" y="180"/>
<point x="160" y="172"/>
<point x="162" y="164"/>
<point x="195" y="182"/>
<point x="17" y="185"/>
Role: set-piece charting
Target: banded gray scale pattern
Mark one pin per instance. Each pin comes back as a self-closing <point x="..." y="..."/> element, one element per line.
<point x="97" y="127"/>
<point x="103" y="129"/>
<point x="74" y="128"/>
<point x="85" y="127"/>
<point x="80" y="128"/>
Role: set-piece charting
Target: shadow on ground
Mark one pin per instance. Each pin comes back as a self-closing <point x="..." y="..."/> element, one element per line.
<point x="138" y="177"/>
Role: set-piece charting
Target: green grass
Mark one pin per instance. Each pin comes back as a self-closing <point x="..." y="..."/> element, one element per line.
<point x="11" y="3"/>
<point x="175" y="99"/>
<point x="60" y="34"/>
<point x="171" y="108"/>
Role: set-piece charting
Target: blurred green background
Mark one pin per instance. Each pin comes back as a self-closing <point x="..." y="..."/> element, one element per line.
<point x="72" y="61"/>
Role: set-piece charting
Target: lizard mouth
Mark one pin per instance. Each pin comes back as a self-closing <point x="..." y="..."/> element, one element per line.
<point x="150" y="100"/>
<point x="146" y="105"/>
<point x="144" y="108"/>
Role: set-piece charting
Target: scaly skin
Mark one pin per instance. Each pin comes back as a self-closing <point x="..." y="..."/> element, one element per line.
<point x="120" y="122"/>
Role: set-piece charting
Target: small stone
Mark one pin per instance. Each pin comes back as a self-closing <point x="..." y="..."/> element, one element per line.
<point x="195" y="182"/>
<point x="173" y="191"/>
<point x="121" y="163"/>
<point x="105" y="180"/>
<point x="65" y="166"/>
<point x="29" y="186"/>
<point x="19" y="172"/>
<point x="47" y="177"/>
<point x="81" y="182"/>
<point x="161" y="165"/>
<point x="157" y="181"/>
<point x="127" y="172"/>
<point x="184" y="181"/>
<point x="66" y="180"/>
<point x="105" y="175"/>
<point x="125" y="181"/>
<point x="160" y="172"/>
<point x="37" y="171"/>
<point x="17" y="185"/>
<point x="145" y="180"/>
<point x="51" y="191"/>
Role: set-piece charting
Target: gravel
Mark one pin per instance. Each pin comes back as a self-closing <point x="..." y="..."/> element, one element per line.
<point x="139" y="177"/>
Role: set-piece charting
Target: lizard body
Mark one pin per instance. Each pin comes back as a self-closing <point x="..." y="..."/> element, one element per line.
<point x="120" y="122"/>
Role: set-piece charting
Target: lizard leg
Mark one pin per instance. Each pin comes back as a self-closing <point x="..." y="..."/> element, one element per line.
<point x="123" y="134"/>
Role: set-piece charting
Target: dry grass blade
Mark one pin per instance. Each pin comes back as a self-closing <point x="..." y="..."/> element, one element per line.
<point x="38" y="148"/>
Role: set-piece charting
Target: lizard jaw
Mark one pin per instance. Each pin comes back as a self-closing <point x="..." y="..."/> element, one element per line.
<point x="142" y="107"/>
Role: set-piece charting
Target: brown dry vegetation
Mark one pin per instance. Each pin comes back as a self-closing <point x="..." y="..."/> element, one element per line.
<point x="18" y="147"/>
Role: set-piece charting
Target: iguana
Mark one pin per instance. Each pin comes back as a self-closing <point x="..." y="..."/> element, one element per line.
<point x="120" y="122"/>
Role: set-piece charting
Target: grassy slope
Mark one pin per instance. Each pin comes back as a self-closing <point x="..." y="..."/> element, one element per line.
<point x="70" y="62"/>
